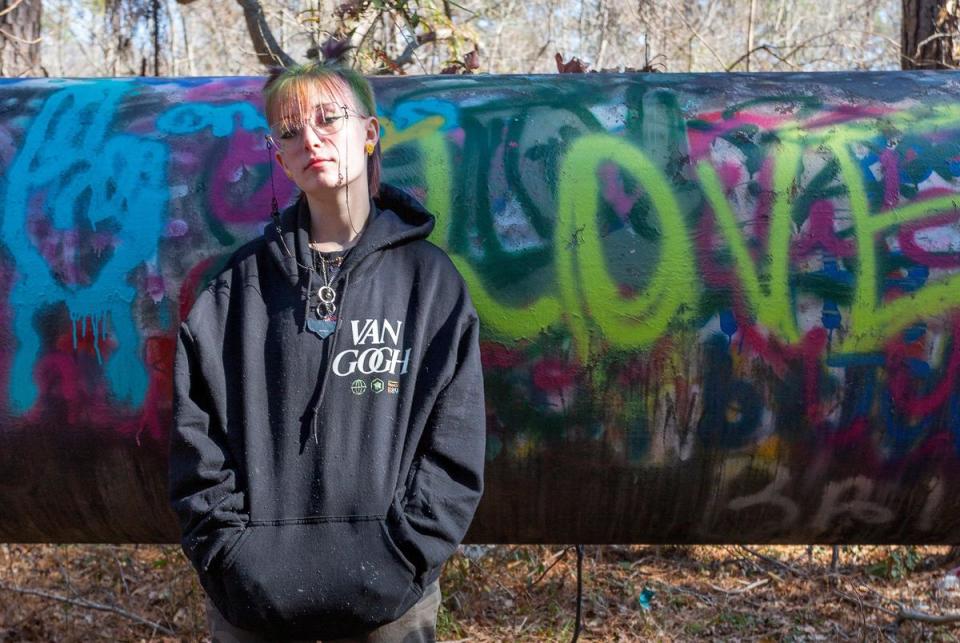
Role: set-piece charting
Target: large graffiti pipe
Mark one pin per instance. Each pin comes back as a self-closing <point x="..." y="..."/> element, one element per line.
<point x="715" y="308"/>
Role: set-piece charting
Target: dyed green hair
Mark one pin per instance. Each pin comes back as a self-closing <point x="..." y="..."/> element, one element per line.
<point x="288" y="90"/>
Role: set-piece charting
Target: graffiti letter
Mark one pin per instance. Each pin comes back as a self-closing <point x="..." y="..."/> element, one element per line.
<point x="581" y="263"/>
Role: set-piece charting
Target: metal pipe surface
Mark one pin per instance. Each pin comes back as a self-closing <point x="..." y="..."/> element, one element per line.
<point x="715" y="308"/>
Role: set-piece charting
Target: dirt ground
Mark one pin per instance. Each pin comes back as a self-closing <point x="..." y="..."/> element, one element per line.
<point x="528" y="593"/>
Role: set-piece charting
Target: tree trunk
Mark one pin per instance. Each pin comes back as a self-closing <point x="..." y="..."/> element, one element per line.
<point x="20" y="37"/>
<point x="268" y="50"/>
<point x="927" y="33"/>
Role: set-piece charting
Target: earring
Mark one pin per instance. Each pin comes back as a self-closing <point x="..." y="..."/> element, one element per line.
<point x="369" y="149"/>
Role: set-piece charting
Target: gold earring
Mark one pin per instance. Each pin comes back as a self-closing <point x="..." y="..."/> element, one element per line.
<point x="369" y="148"/>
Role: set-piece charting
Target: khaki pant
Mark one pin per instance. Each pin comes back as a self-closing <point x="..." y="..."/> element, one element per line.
<point x="417" y="625"/>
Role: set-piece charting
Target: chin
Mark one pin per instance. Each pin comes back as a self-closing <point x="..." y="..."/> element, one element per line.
<point x="322" y="181"/>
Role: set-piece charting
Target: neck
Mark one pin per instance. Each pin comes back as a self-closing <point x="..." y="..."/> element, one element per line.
<point x="334" y="226"/>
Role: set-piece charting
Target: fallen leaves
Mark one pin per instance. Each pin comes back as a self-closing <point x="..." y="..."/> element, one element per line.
<point x="526" y="593"/>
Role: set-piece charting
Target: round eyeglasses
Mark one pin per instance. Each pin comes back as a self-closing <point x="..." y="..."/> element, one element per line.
<point x="327" y="120"/>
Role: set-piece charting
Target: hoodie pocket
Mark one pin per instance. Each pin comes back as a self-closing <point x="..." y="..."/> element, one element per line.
<point x="234" y="548"/>
<point x="316" y="578"/>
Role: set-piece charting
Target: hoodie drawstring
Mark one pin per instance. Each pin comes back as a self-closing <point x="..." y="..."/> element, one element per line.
<point x="324" y="376"/>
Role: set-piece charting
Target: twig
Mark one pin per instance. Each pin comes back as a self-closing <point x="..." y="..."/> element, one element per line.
<point x="15" y="4"/>
<point x="772" y="561"/>
<point x="123" y="579"/>
<point x="66" y="577"/>
<point x="19" y="39"/>
<point x="766" y="48"/>
<point x="520" y="627"/>
<point x="461" y="7"/>
<point x="267" y="49"/>
<point x="366" y="32"/>
<point x="923" y="617"/>
<point x="861" y="604"/>
<point x="409" y="52"/>
<point x="703" y="598"/>
<point x="863" y="612"/>
<point x="750" y="47"/>
<point x="742" y="590"/>
<point x="697" y="35"/>
<point x="906" y="614"/>
<point x="556" y="559"/>
<point x="929" y="39"/>
<point x="738" y="558"/>
<point x="82" y="602"/>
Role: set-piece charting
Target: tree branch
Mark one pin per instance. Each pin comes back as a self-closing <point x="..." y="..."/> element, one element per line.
<point x="82" y="602"/>
<point x="750" y="47"/>
<point x="902" y="614"/>
<point x="15" y="4"/>
<point x="409" y="51"/>
<point x="18" y="39"/>
<point x="696" y="34"/>
<point x="929" y="39"/>
<point x="766" y="48"/>
<point x="772" y="561"/>
<point x="268" y="51"/>
<point x="923" y="617"/>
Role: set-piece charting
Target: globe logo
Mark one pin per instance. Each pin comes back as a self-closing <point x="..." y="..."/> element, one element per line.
<point x="359" y="387"/>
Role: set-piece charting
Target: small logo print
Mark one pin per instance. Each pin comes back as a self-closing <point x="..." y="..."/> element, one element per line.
<point x="393" y="386"/>
<point x="359" y="387"/>
<point x="376" y="385"/>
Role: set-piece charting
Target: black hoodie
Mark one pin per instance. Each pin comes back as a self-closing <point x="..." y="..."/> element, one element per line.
<point x="322" y="483"/>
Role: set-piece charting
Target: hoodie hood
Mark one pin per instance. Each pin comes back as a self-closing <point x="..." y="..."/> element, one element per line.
<point x="395" y="218"/>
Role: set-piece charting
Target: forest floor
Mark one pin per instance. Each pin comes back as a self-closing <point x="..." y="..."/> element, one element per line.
<point x="71" y="593"/>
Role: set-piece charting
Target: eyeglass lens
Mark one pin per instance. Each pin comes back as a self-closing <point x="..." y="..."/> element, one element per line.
<point x="327" y="120"/>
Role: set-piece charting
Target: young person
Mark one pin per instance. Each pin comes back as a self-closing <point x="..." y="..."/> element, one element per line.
<point x="328" y="443"/>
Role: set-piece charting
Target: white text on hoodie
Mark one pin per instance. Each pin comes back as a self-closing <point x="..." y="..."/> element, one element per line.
<point x="378" y="358"/>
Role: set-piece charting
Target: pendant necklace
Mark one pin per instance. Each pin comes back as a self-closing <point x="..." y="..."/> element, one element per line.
<point x="326" y="294"/>
<point x="323" y="321"/>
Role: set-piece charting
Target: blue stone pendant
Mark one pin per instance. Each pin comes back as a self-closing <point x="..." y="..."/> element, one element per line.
<point x="322" y="328"/>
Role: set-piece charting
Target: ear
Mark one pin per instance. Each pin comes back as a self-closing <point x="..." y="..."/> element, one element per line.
<point x="283" y="164"/>
<point x="373" y="131"/>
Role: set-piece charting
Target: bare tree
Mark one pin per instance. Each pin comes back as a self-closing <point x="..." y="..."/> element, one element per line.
<point x="268" y="49"/>
<point x="20" y="37"/>
<point x="386" y="34"/>
<point x="928" y="34"/>
<point x="212" y="37"/>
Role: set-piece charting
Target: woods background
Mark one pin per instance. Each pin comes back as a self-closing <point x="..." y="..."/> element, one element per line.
<point x="208" y="37"/>
<point x="133" y="592"/>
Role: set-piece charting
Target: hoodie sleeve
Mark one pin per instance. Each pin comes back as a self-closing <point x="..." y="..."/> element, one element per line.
<point x="202" y="476"/>
<point x="446" y="480"/>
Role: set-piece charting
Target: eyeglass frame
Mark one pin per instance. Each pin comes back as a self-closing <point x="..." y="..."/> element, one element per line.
<point x="281" y="144"/>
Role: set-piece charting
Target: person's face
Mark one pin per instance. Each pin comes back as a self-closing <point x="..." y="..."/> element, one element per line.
<point x="324" y="149"/>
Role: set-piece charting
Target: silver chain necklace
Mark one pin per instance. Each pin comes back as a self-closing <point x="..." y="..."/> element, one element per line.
<point x="326" y="294"/>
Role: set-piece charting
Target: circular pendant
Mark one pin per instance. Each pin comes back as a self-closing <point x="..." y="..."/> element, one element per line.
<point x="326" y="294"/>
<point x="325" y="310"/>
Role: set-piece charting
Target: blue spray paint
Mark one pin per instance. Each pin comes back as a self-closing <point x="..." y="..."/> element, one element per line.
<point x="72" y="167"/>
<point x="410" y="112"/>
<point x="221" y="119"/>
